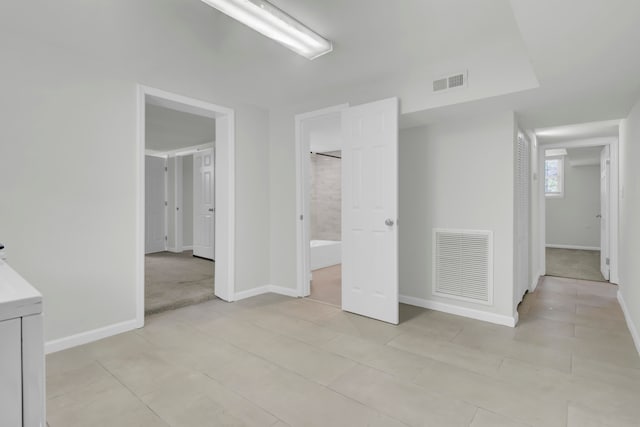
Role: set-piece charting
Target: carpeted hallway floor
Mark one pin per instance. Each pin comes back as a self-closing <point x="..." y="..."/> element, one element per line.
<point x="176" y="280"/>
<point x="326" y="285"/>
<point x="574" y="264"/>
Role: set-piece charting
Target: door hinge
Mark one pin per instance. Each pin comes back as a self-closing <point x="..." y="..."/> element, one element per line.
<point x="301" y="217"/>
<point x="166" y="238"/>
<point x="166" y="203"/>
<point x="607" y="261"/>
<point x="166" y="169"/>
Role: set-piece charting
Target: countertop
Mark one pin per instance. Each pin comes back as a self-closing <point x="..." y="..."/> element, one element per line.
<point x="17" y="297"/>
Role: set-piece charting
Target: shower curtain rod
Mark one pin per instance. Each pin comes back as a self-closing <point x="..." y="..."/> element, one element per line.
<point x="326" y="155"/>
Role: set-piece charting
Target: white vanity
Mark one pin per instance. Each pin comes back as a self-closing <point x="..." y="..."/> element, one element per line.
<point x="22" y="392"/>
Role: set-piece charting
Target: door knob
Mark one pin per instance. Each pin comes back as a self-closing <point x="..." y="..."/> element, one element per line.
<point x="388" y="222"/>
<point x="598" y="216"/>
<point x="210" y="209"/>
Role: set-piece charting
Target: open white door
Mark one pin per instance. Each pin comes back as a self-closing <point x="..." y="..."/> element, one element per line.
<point x="604" y="211"/>
<point x="155" y="207"/>
<point x="370" y="210"/>
<point x="203" y="204"/>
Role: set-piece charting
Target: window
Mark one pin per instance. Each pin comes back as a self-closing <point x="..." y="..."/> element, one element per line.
<point x="554" y="176"/>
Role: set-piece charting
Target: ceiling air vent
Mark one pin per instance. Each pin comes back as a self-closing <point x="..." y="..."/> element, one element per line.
<point x="463" y="265"/>
<point x="450" y="82"/>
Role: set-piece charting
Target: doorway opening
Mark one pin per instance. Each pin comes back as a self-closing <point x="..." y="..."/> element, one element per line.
<point x="179" y="209"/>
<point x="321" y="157"/>
<point x="186" y="202"/>
<point x="326" y="217"/>
<point x="368" y="153"/>
<point x="579" y="209"/>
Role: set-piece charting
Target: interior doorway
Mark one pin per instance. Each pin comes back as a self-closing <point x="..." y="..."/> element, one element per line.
<point x="579" y="208"/>
<point x="189" y="198"/>
<point x="365" y="142"/>
<point x="321" y="157"/>
<point x="179" y="228"/>
<point x="326" y="217"/>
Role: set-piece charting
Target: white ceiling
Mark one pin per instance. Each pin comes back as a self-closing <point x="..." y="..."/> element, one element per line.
<point x="168" y="129"/>
<point x="584" y="156"/>
<point x="582" y="131"/>
<point x="553" y="62"/>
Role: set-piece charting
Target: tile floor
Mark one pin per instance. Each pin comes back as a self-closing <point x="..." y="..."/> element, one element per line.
<point x="326" y="285"/>
<point x="277" y="361"/>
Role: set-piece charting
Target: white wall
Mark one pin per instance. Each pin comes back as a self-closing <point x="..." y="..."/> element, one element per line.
<point x="629" y="266"/>
<point x="68" y="166"/>
<point x="571" y="220"/>
<point x="187" y="200"/>
<point x="457" y="174"/>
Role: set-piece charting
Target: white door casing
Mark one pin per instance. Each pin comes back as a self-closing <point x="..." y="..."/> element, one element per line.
<point x="604" y="211"/>
<point x="155" y="209"/>
<point x="370" y="210"/>
<point x="203" y="204"/>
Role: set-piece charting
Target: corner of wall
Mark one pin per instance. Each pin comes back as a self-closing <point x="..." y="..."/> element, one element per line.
<point x="630" y="323"/>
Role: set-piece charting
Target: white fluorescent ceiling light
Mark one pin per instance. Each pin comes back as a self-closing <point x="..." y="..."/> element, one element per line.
<point x="271" y="22"/>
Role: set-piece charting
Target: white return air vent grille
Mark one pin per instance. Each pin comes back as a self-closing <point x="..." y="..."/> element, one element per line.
<point x="463" y="265"/>
<point x="450" y="82"/>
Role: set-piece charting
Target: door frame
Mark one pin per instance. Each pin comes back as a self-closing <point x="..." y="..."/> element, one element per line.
<point x="225" y="187"/>
<point x="302" y="199"/>
<point x="613" y="144"/>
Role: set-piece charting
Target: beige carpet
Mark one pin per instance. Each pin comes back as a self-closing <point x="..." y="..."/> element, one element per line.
<point x="176" y="280"/>
<point x="574" y="264"/>
<point x="326" y="285"/>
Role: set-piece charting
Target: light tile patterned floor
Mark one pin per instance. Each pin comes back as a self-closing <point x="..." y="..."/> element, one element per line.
<point x="277" y="361"/>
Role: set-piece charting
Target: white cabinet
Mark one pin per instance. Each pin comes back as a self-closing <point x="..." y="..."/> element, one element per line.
<point x="10" y="373"/>
<point x="22" y="393"/>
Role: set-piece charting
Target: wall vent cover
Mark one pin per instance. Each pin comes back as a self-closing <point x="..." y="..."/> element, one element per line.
<point x="440" y="84"/>
<point x="452" y="81"/>
<point x="463" y="265"/>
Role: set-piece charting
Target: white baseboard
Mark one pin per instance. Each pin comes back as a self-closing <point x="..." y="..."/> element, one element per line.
<point x="485" y="316"/>
<point x="187" y="248"/>
<point x="289" y="292"/>
<point x="265" y="290"/>
<point x="89" y="336"/>
<point x="630" y="324"/>
<point x="582" y="248"/>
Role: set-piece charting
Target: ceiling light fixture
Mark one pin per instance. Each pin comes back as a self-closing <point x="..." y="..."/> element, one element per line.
<point x="272" y="22"/>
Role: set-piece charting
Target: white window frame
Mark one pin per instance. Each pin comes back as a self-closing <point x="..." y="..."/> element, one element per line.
<point x="559" y="194"/>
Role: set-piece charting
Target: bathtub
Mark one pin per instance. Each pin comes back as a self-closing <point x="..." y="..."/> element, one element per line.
<point x="325" y="253"/>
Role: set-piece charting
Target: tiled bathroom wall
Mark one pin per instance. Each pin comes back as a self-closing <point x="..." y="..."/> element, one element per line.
<point x="326" y="197"/>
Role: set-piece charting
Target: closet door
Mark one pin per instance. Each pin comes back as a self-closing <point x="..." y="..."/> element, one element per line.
<point x="204" y="204"/>
<point x="522" y="197"/>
